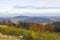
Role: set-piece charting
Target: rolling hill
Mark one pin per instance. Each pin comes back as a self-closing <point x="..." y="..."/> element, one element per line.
<point x="32" y="19"/>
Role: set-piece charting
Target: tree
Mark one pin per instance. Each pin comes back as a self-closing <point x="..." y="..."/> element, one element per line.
<point x="33" y="26"/>
<point x="1" y="23"/>
<point x="41" y="27"/>
<point x="9" y="23"/>
<point x="49" y="27"/>
<point x="18" y="25"/>
<point x="24" y="25"/>
<point x="57" y="26"/>
<point x="4" y="23"/>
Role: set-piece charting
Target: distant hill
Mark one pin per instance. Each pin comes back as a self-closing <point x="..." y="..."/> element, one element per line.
<point x="56" y="18"/>
<point x="38" y="20"/>
<point x="20" y="18"/>
<point x="32" y="19"/>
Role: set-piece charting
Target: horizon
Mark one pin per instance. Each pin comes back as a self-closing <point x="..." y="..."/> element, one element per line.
<point x="11" y="16"/>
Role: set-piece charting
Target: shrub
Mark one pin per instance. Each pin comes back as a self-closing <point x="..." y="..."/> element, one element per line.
<point x="30" y="34"/>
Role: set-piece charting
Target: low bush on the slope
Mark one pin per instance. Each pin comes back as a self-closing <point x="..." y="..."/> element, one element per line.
<point x="29" y="34"/>
<point x="11" y="31"/>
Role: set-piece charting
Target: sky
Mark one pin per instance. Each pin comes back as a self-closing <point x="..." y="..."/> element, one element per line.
<point x="30" y="7"/>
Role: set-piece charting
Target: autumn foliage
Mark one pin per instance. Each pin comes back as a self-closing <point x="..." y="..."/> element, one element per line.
<point x="41" y="27"/>
<point x="49" y="27"/>
<point x="32" y="26"/>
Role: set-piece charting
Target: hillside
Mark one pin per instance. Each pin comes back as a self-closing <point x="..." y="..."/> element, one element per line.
<point x="27" y="34"/>
<point x="8" y="37"/>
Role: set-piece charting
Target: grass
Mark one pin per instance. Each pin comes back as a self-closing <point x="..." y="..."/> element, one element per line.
<point x="15" y="33"/>
<point x="8" y="37"/>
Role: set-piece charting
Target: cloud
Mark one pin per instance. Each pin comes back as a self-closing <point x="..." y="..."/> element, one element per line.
<point x="33" y="7"/>
<point x="38" y="4"/>
<point x="30" y="7"/>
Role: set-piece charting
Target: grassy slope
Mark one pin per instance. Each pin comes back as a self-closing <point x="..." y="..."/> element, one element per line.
<point x="34" y="35"/>
<point x="6" y="37"/>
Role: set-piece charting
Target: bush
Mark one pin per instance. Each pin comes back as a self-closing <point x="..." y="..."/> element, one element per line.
<point x="29" y="34"/>
<point x="11" y="31"/>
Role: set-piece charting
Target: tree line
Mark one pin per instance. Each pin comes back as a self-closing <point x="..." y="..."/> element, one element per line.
<point x="33" y="26"/>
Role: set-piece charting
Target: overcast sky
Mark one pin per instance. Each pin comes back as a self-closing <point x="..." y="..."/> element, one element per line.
<point x="30" y="7"/>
